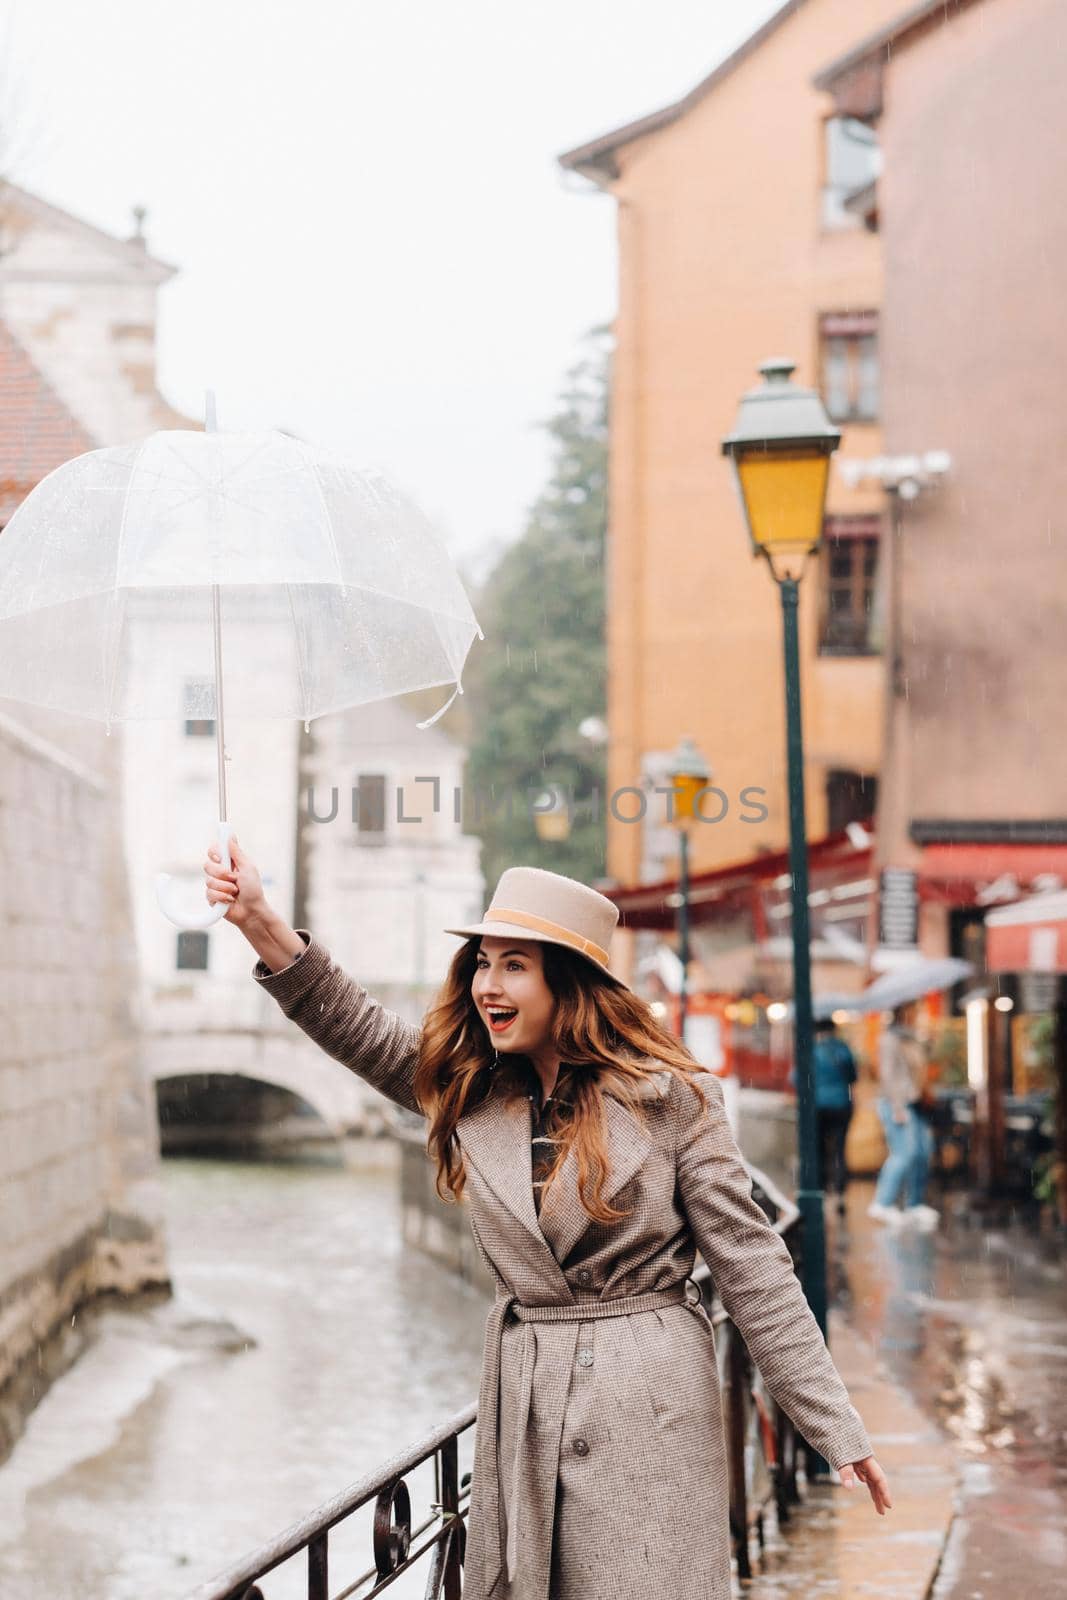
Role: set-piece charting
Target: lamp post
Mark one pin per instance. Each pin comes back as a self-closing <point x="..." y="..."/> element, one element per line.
<point x="690" y="775"/>
<point x="781" y="448"/>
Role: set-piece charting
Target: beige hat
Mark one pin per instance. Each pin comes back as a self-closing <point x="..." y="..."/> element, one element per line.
<point x="532" y="904"/>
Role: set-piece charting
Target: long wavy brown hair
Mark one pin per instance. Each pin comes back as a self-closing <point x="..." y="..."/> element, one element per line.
<point x="603" y="1032"/>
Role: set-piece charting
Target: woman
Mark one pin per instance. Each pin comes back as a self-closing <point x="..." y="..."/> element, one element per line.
<point x="908" y="1136"/>
<point x="597" y="1158"/>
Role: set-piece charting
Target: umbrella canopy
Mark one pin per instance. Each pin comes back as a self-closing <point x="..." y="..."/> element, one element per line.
<point x="343" y="579"/>
<point x="911" y="982"/>
<point x="898" y="988"/>
<point x="328" y="571"/>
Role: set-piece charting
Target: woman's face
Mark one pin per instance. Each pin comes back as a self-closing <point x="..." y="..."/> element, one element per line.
<point x="514" y="1001"/>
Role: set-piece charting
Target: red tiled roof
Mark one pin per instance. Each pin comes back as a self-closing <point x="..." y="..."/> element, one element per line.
<point x="37" y="432"/>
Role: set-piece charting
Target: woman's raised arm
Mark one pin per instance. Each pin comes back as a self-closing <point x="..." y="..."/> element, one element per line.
<point x="330" y="1007"/>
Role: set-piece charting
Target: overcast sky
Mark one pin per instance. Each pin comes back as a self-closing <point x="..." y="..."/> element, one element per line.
<point x="376" y="246"/>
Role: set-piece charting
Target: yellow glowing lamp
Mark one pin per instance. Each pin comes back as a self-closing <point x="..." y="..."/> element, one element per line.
<point x="781" y="448"/>
<point x="690" y="774"/>
<point x="552" y="817"/>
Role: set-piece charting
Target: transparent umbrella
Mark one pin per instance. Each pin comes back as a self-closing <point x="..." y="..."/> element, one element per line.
<point x="333" y="572"/>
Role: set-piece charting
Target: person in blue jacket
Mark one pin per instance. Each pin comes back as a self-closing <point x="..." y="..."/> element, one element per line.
<point x="834" y="1070"/>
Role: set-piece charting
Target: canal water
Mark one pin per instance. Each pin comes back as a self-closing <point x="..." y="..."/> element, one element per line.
<point x="304" y="1346"/>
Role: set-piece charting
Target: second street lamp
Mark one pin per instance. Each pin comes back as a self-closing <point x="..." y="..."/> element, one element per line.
<point x="781" y="448"/>
<point x="689" y="776"/>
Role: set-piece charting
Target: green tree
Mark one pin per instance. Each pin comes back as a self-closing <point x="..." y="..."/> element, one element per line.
<point x="541" y="670"/>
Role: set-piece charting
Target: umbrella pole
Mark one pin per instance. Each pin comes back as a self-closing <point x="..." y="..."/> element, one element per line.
<point x="211" y="426"/>
<point x="220" y="736"/>
<point x="168" y="901"/>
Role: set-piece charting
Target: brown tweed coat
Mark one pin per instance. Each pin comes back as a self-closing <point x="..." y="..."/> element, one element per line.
<point x="600" y="1466"/>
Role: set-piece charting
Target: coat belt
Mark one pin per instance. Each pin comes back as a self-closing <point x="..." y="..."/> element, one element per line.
<point x="501" y="1554"/>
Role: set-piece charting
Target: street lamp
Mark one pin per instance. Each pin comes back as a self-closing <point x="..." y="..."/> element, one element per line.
<point x="551" y="815"/>
<point x="781" y="448"/>
<point x="689" y="775"/>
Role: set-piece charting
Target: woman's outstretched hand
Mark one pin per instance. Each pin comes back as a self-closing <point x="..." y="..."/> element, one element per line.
<point x="240" y="888"/>
<point x="869" y="1472"/>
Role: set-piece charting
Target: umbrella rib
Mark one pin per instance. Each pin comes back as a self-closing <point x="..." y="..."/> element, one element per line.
<point x="118" y="606"/>
<point x="299" y="653"/>
<point x="120" y="541"/>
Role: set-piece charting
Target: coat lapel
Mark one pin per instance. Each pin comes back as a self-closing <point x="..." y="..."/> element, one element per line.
<point x="563" y="1217"/>
<point x="496" y="1137"/>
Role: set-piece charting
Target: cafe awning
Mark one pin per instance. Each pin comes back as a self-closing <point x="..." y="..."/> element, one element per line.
<point x="971" y="873"/>
<point x="839" y="871"/>
<point x="1029" y="936"/>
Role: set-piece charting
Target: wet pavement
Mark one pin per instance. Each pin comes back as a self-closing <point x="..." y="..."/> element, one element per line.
<point x="972" y="1321"/>
<point x="956" y="1353"/>
<point x="836" y="1545"/>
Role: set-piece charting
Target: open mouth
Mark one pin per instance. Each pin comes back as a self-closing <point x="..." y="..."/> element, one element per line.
<point x="499" y="1020"/>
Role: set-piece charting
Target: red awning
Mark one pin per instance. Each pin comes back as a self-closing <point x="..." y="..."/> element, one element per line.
<point x="958" y="874"/>
<point x="718" y="894"/>
<point x="1028" y="937"/>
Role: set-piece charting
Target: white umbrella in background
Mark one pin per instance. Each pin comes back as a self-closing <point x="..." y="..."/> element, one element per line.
<point x="344" y="580"/>
<point x="924" y="975"/>
<point x="905" y="984"/>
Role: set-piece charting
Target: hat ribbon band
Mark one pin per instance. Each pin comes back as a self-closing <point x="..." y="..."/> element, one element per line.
<point x="526" y="919"/>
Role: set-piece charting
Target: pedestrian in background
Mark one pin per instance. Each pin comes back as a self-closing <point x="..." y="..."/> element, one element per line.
<point x="902" y="1074"/>
<point x="835" y="1073"/>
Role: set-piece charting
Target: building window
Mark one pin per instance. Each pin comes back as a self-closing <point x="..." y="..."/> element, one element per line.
<point x="848" y="359"/>
<point x="199" y="708"/>
<point x="849" y="573"/>
<point x="370" y="808"/>
<point x="192" y="951"/>
<point x="851" y="164"/>
<point x="850" y="797"/>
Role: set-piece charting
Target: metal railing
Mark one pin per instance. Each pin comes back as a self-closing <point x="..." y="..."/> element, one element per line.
<point x="761" y="1447"/>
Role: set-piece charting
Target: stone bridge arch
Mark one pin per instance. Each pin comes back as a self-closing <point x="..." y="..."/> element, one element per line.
<point x="285" y="1061"/>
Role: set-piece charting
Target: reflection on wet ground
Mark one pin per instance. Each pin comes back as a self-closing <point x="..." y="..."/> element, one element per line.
<point x="174" y="1445"/>
<point x="973" y="1322"/>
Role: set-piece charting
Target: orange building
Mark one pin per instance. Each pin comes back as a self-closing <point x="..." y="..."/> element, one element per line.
<point x="746" y="230"/>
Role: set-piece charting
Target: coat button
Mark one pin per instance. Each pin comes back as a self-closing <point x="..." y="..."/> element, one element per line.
<point x="581" y="1447"/>
<point x="584" y="1276"/>
<point x="585" y="1358"/>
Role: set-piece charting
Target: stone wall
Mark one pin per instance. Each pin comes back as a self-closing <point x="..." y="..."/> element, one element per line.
<point x="78" y="1139"/>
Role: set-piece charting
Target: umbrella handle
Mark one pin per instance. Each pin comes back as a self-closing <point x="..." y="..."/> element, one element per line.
<point x="172" y="893"/>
